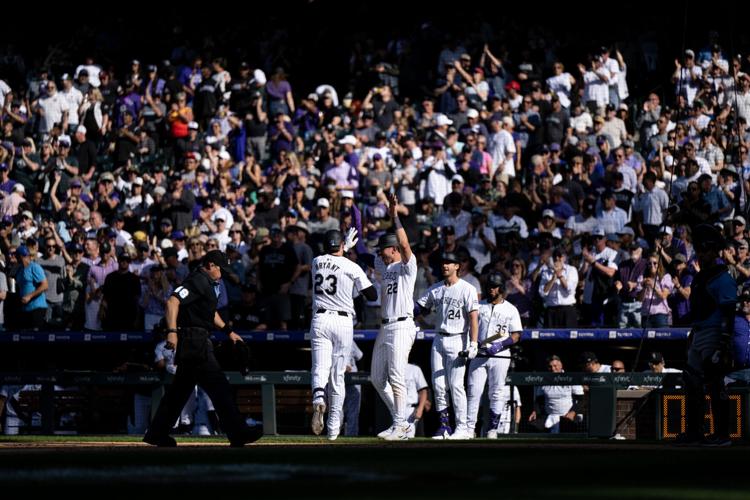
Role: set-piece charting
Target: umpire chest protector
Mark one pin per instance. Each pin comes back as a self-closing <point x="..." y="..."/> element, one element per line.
<point x="198" y="300"/>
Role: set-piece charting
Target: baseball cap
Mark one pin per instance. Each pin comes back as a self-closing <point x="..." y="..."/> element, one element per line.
<point x="457" y="178"/>
<point x="178" y="235"/>
<point x="689" y="53"/>
<point x="588" y="357"/>
<point x="666" y="230"/>
<point x="323" y="202"/>
<point x="626" y="230"/>
<point x="348" y="139"/>
<point x="472" y="113"/>
<point x="598" y="232"/>
<point x="680" y="257"/>
<point x="555" y="146"/>
<point x="19" y="187"/>
<point x="217" y="258"/>
<point x="655" y="358"/>
<point x="22" y="251"/>
<point x="81" y="129"/>
<point x="443" y="120"/>
<point x="740" y="219"/>
<point x="450" y="257"/>
<point x="346" y="193"/>
<point x="548" y="213"/>
<point x="107" y="176"/>
<point x="27" y="214"/>
<point x="166" y="222"/>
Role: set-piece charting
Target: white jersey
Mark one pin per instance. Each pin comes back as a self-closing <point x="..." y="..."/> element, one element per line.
<point x="397" y="287"/>
<point x="452" y="305"/>
<point x="502" y="318"/>
<point x="415" y="382"/>
<point x="335" y="281"/>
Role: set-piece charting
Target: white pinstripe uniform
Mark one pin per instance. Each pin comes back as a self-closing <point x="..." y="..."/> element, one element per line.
<point x="390" y="356"/>
<point x="335" y="281"/>
<point x="453" y="305"/>
<point x="500" y="318"/>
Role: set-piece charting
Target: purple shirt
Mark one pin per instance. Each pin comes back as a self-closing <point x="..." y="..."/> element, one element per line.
<point x="279" y="90"/>
<point x="343" y="174"/>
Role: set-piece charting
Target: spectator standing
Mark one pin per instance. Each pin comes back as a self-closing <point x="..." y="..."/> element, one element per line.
<point x="31" y="283"/>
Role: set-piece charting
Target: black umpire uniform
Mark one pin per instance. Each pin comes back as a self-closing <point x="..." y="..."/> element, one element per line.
<point x="195" y="360"/>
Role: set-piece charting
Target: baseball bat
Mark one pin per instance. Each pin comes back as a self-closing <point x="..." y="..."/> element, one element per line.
<point x="487" y="341"/>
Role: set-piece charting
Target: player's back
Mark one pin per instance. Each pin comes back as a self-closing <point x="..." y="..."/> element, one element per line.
<point x="334" y="281"/>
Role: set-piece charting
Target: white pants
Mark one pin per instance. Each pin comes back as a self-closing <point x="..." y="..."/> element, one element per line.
<point x="331" y="338"/>
<point x="481" y="371"/>
<point x="388" y="369"/>
<point x="448" y="371"/>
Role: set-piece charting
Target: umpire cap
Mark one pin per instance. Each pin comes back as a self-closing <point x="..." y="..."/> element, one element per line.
<point x="496" y="280"/>
<point x="333" y="240"/>
<point x="387" y="240"/>
<point x="217" y="258"/>
<point x="707" y="237"/>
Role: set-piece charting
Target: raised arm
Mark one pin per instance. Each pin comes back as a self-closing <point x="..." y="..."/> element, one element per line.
<point x="403" y="239"/>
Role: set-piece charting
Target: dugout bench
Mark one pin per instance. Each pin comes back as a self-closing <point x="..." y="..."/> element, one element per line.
<point x="639" y="405"/>
<point x="53" y="390"/>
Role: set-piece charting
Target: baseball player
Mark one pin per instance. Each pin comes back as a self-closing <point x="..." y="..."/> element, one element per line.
<point x="499" y="328"/>
<point x="456" y="306"/>
<point x="335" y="281"/>
<point x="397" y="267"/>
<point x="416" y="397"/>
<point x="503" y="426"/>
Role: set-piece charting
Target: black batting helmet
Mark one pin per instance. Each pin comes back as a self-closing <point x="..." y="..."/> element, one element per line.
<point x="387" y="240"/>
<point x="333" y="240"/>
<point x="496" y="280"/>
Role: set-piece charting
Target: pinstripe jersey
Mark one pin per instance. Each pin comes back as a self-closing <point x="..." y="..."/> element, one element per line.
<point x="452" y="305"/>
<point x="335" y="279"/>
<point x="397" y="289"/>
<point x="498" y="318"/>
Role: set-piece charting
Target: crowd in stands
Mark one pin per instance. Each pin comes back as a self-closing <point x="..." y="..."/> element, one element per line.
<point x="116" y="180"/>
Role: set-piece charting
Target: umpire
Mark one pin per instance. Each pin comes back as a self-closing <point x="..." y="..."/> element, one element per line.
<point x="712" y="306"/>
<point x="191" y="314"/>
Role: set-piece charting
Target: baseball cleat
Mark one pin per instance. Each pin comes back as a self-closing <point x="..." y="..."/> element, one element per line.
<point x="333" y="437"/>
<point x="492" y="434"/>
<point x="443" y="432"/>
<point x="461" y="434"/>
<point x="319" y="410"/>
<point x="387" y="432"/>
<point x="400" y="433"/>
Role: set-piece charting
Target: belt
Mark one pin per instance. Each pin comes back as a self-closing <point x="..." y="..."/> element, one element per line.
<point x="446" y="334"/>
<point x="629" y="301"/>
<point x="388" y="321"/>
<point x="324" y="311"/>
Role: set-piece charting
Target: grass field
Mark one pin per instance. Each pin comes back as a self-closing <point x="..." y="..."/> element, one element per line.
<point x="311" y="467"/>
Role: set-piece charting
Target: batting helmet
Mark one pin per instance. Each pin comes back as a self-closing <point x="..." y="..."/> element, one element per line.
<point x="387" y="240"/>
<point x="333" y="240"/>
<point x="496" y="280"/>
